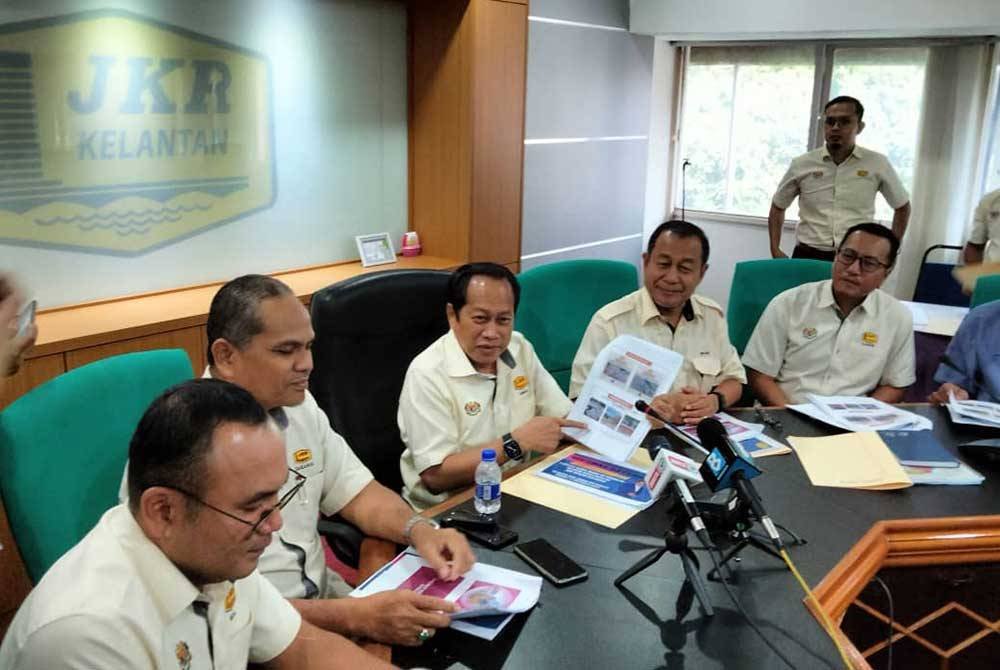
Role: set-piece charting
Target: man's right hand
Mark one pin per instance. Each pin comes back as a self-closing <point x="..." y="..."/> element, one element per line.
<point x="543" y="433"/>
<point x="669" y="406"/>
<point x="776" y="252"/>
<point x="940" y="397"/>
<point x="397" y="617"/>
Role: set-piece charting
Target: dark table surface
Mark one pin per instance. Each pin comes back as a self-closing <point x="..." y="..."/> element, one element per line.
<point x="593" y="624"/>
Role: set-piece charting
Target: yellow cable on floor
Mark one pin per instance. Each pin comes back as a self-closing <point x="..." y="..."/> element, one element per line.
<point x="827" y="624"/>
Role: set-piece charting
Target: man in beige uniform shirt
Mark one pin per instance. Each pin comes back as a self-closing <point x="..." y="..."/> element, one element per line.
<point x="836" y="187"/>
<point x="665" y="311"/>
<point x="480" y="386"/>
<point x="985" y="229"/>
<point x="169" y="580"/>
<point x="843" y="336"/>
<point x="260" y="338"/>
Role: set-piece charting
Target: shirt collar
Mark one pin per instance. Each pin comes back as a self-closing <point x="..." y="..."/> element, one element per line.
<point x="170" y="590"/>
<point x="648" y="309"/>
<point x="857" y="153"/>
<point x="457" y="364"/>
<point x="869" y="304"/>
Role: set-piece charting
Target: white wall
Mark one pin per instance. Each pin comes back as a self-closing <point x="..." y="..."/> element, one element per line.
<point x="791" y="19"/>
<point x="339" y="103"/>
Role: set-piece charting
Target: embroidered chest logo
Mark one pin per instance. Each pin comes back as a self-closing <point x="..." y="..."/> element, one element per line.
<point x="230" y="602"/>
<point x="862" y="173"/>
<point x="473" y="408"/>
<point x="809" y="332"/>
<point x="303" y="455"/>
<point x="869" y="339"/>
<point x="818" y="174"/>
<point x="183" y="654"/>
<point x="995" y="214"/>
<point x="520" y="382"/>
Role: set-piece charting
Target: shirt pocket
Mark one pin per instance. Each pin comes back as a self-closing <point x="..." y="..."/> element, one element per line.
<point x="707" y="365"/>
<point x="815" y="182"/>
<point x="232" y="643"/>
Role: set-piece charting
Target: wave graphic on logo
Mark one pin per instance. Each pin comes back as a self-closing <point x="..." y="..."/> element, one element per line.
<point x="126" y="222"/>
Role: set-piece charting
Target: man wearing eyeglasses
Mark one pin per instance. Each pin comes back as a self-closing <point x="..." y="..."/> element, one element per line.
<point x="836" y="187"/>
<point x="841" y="336"/>
<point x="170" y="580"/>
<point x="260" y="338"/>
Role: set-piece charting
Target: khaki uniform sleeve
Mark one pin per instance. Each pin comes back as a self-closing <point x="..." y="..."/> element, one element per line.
<point x="900" y="370"/>
<point x="344" y="475"/>
<point x="81" y="642"/>
<point x="980" y="231"/>
<point x="788" y="189"/>
<point x="595" y="338"/>
<point x="427" y="421"/>
<point x="765" y="351"/>
<point x="732" y="368"/>
<point x="275" y="622"/>
<point x="892" y="188"/>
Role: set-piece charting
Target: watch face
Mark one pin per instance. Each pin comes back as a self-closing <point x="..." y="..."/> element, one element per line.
<point x="512" y="448"/>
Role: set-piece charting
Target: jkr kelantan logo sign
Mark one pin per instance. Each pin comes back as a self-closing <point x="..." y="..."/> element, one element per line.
<point x="118" y="133"/>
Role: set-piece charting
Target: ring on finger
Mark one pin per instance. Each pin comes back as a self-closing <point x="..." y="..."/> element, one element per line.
<point x="424" y="635"/>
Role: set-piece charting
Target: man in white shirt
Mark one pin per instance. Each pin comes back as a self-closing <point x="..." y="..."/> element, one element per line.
<point x="13" y="345"/>
<point x="843" y="336"/>
<point x="260" y="338"/>
<point x="170" y="580"/>
<point x="836" y="187"/>
<point x="985" y="229"/>
<point x="480" y="386"/>
<point x="666" y="311"/>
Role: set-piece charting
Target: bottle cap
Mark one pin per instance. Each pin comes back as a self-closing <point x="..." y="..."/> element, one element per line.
<point x="489" y="455"/>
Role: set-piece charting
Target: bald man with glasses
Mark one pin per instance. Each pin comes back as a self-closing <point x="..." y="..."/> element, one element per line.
<point x="840" y="336"/>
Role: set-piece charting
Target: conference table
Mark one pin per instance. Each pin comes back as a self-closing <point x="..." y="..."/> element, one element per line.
<point x="594" y="624"/>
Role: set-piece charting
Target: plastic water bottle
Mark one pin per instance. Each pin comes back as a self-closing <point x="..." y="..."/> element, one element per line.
<point x="488" y="484"/>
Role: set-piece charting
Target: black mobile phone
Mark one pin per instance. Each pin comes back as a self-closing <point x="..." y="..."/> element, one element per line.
<point x="480" y="527"/>
<point x="551" y="563"/>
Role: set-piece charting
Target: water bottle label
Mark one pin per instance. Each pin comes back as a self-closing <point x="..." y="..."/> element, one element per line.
<point x="487" y="492"/>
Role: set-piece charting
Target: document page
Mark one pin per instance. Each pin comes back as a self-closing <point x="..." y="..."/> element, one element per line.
<point x="851" y="460"/>
<point x="860" y="413"/>
<point x="626" y="370"/>
<point x="973" y="412"/>
<point x="487" y="597"/>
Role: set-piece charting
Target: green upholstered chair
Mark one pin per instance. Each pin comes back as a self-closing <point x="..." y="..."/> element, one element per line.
<point x="987" y="290"/>
<point x="63" y="447"/>
<point x="755" y="283"/>
<point x="558" y="301"/>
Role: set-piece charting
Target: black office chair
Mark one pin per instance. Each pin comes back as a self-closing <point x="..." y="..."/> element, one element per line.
<point x="368" y="330"/>
<point x="935" y="284"/>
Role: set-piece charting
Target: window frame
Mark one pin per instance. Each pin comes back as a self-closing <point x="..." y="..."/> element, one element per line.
<point x="822" y="81"/>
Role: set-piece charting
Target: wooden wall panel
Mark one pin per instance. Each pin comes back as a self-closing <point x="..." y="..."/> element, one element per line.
<point x="33" y="372"/>
<point x="499" y="74"/>
<point x="440" y="115"/>
<point x="191" y="340"/>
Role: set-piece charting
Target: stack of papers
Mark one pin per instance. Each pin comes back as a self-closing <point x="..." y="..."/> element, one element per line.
<point x="749" y="435"/>
<point x="620" y="483"/>
<point x="860" y="413"/>
<point x="627" y="369"/>
<point x="487" y="597"/>
<point x="962" y="475"/>
<point x="974" y="412"/>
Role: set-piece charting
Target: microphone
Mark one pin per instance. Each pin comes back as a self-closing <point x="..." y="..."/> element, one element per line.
<point x="675" y="470"/>
<point x="728" y="465"/>
<point x="644" y="407"/>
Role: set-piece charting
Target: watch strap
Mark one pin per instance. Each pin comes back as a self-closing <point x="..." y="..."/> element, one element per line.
<point x="511" y="447"/>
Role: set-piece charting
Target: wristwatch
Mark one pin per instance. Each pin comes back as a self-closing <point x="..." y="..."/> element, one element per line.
<point x="413" y="521"/>
<point x="512" y="448"/>
<point x="721" y="398"/>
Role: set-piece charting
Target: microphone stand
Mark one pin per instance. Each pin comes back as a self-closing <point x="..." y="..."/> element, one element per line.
<point x="741" y="529"/>
<point x="675" y="541"/>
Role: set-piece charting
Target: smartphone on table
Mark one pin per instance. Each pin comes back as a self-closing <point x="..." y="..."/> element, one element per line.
<point x="551" y="563"/>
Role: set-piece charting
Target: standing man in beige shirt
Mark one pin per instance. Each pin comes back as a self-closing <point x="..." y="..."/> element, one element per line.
<point x="666" y="312"/>
<point x="836" y="187"/>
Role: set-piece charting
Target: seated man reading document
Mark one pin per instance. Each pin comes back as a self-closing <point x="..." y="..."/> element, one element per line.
<point x="260" y="338"/>
<point x="479" y="386"/>
<point x="842" y="336"/>
<point x="970" y="367"/>
<point x="666" y="311"/>
<point x="169" y="580"/>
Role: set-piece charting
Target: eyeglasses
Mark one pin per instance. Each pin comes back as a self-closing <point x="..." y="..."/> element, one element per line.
<point x="838" y="121"/>
<point x="846" y="257"/>
<point x="300" y="481"/>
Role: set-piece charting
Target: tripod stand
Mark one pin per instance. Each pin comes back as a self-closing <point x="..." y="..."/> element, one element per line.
<point x="675" y="541"/>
